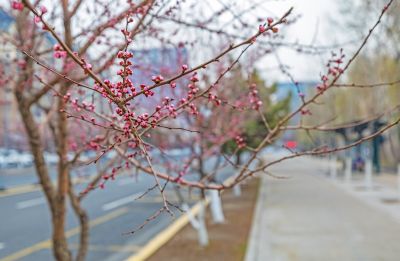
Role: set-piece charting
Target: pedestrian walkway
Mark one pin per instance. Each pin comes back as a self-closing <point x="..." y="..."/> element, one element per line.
<point x="310" y="217"/>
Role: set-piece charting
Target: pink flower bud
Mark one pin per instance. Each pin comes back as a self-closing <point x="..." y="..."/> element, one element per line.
<point x="16" y="5"/>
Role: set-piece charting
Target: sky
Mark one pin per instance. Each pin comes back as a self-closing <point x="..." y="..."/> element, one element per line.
<point x="316" y="26"/>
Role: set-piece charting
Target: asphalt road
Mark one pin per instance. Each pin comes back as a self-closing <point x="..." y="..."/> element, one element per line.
<point x="25" y="219"/>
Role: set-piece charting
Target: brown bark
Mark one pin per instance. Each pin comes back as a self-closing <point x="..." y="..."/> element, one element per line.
<point x="54" y="196"/>
<point x="83" y="222"/>
<point x="60" y="247"/>
<point x="34" y="138"/>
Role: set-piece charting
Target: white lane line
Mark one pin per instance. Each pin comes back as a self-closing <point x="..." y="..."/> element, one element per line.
<point x="30" y="203"/>
<point x="1" y="245"/>
<point x="120" y="202"/>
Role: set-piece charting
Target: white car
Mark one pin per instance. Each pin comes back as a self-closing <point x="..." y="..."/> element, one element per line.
<point x="50" y="158"/>
<point x="10" y="158"/>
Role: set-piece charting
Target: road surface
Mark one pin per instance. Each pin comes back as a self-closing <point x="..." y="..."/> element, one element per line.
<point x="25" y="220"/>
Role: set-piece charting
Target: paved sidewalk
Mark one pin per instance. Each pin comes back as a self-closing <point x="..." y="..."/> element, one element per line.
<point x="309" y="217"/>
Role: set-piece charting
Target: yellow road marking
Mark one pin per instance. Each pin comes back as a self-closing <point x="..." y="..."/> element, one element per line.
<point x="19" y="190"/>
<point x="110" y="248"/>
<point x="160" y="239"/>
<point x="158" y="199"/>
<point x="35" y="187"/>
<point x="47" y="243"/>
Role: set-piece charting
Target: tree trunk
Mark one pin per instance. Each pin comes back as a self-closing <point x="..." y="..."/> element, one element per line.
<point x="60" y="247"/>
<point x="84" y="224"/>
<point x="60" y="244"/>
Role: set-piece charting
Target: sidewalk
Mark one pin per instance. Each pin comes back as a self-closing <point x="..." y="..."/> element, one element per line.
<point x="309" y="217"/>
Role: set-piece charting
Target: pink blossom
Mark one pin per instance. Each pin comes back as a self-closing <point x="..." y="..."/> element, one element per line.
<point x="16" y="5"/>
<point x="43" y="9"/>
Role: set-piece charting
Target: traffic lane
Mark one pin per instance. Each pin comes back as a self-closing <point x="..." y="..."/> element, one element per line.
<point x="108" y="242"/>
<point x="10" y="178"/>
<point x="95" y="203"/>
<point x="21" y="228"/>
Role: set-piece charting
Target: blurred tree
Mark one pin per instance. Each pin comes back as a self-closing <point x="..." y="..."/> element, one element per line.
<point x="271" y="112"/>
<point x="380" y="63"/>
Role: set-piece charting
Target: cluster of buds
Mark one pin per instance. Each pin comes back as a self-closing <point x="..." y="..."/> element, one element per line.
<point x="43" y="9"/>
<point x="125" y="86"/>
<point x="254" y="99"/>
<point x="142" y="120"/>
<point x="67" y="96"/>
<point x="240" y="141"/>
<point x="172" y="111"/>
<point x="146" y="90"/>
<point x="184" y="68"/>
<point x="157" y="78"/>
<point x="111" y="176"/>
<point x="214" y="98"/>
<point x="17" y="5"/>
<point x="59" y="52"/>
<point x="94" y="145"/>
<point x="100" y="89"/>
<point x="86" y="66"/>
<point x="193" y="109"/>
<point x="334" y="70"/>
<point x="322" y="87"/>
<point x="334" y="64"/>
<point x="124" y="55"/>
<point x="305" y="112"/>
<point x="126" y="33"/>
<point x="38" y="19"/>
<point x="192" y="86"/>
<point x="88" y="106"/>
<point x="263" y="27"/>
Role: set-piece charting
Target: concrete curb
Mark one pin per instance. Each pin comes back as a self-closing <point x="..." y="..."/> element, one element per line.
<point x="164" y="236"/>
<point x="254" y="244"/>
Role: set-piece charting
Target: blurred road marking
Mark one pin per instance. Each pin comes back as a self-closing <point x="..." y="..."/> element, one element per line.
<point x="35" y="187"/>
<point x="30" y="203"/>
<point x="120" y="202"/>
<point x="165" y="235"/>
<point x="47" y="243"/>
<point x="1" y="245"/>
<point x="111" y="248"/>
<point x="19" y="190"/>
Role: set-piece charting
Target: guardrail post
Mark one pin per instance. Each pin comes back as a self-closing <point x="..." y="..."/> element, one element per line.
<point x="203" y="235"/>
<point x="216" y="207"/>
<point x="348" y="171"/>
<point x="333" y="167"/>
<point x="398" y="180"/>
<point x="368" y="174"/>
<point x="237" y="191"/>
<point x="198" y="223"/>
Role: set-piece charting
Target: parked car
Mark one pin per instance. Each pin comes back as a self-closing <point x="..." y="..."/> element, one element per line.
<point x="50" y="158"/>
<point x="10" y="158"/>
<point x="358" y="164"/>
<point x="25" y="159"/>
